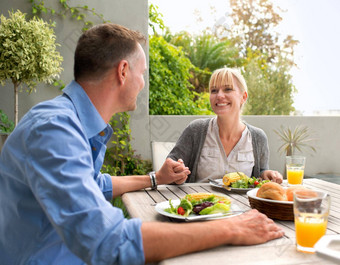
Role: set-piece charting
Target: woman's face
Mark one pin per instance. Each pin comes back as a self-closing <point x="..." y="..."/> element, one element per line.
<point x="227" y="101"/>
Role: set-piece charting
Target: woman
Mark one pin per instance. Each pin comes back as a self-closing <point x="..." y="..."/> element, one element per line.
<point x="211" y="147"/>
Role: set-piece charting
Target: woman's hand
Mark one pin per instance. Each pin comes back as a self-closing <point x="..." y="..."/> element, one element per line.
<point x="272" y="175"/>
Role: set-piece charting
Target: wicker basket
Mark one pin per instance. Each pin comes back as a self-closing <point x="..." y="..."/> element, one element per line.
<point x="273" y="209"/>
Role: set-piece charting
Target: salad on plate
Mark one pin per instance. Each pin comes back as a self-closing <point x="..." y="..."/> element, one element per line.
<point x="200" y="204"/>
<point x="239" y="180"/>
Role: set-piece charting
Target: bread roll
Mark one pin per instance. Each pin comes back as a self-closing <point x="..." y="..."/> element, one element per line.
<point x="290" y="191"/>
<point x="272" y="191"/>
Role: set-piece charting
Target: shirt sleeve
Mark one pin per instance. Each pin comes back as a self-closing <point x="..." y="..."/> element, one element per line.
<point x="60" y="174"/>
<point x="104" y="182"/>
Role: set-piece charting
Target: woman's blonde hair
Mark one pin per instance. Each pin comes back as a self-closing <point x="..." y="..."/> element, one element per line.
<point x="224" y="77"/>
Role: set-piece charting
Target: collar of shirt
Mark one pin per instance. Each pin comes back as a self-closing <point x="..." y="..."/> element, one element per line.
<point x="89" y="116"/>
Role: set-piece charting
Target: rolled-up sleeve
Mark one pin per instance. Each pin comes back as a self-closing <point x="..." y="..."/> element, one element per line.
<point x="104" y="182"/>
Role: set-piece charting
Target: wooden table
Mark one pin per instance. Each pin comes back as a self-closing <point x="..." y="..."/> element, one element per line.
<point x="141" y="204"/>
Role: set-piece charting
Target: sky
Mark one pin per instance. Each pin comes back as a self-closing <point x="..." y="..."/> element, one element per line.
<point x="314" y="23"/>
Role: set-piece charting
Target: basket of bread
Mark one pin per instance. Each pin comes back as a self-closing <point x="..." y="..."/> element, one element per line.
<point x="274" y="200"/>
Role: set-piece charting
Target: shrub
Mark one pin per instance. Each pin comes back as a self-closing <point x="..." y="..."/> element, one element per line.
<point x="28" y="53"/>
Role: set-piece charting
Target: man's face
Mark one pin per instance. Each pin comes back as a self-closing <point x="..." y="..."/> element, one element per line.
<point x="135" y="78"/>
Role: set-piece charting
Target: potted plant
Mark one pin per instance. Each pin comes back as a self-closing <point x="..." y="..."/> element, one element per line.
<point x="297" y="139"/>
<point x="28" y="53"/>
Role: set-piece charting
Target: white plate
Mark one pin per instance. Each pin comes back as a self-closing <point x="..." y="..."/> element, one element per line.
<point x="252" y="194"/>
<point x="327" y="247"/>
<point x="220" y="181"/>
<point x="160" y="208"/>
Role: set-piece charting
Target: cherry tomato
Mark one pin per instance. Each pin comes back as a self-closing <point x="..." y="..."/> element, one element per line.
<point x="180" y="210"/>
<point x="256" y="183"/>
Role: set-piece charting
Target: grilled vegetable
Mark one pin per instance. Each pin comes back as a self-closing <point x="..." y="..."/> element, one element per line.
<point x="233" y="177"/>
<point x="240" y="180"/>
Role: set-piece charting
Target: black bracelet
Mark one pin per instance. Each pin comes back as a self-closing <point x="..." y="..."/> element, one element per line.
<point x="153" y="180"/>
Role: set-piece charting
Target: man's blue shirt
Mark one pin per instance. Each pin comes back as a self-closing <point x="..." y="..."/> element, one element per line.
<point x="54" y="205"/>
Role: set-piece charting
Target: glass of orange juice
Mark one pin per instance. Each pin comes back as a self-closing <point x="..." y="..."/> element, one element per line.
<point x="295" y="167"/>
<point x="311" y="210"/>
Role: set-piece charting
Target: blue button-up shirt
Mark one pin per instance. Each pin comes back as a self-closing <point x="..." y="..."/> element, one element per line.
<point x="53" y="198"/>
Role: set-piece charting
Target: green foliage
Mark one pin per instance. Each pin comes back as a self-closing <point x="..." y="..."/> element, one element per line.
<point x="203" y="103"/>
<point x="270" y="90"/>
<point x="120" y="159"/>
<point x="297" y="139"/>
<point x="252" y="46"/>
<point x="254" y="28"/>
<point x="6" y="125"/>
<point x="169" y="74"/>
<point x="79" y="13"/>
<point x="207" y="53"/>
<point x="268" y="57"/>
<point x="155" y="19"/>
<point x="28" y="51"/>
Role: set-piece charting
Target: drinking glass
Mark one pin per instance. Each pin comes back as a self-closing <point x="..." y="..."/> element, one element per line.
<point x="311" y="210"/>
<point x="295" y="166"/>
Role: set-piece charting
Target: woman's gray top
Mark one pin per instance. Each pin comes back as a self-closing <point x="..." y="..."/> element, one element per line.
<point x="190" y="143"/>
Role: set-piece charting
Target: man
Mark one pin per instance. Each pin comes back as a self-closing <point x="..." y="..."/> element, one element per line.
<point x="53" y="198"/>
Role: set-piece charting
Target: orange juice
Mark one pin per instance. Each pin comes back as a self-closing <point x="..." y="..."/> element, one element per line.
<point x="309" y="230"/>
<point x="295" y="176"/>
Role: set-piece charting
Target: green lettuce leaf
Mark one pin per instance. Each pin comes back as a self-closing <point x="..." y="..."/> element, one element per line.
<point x="187" y="206"/>
<point x="217" y="208"/>
<point x="172" y="209"/>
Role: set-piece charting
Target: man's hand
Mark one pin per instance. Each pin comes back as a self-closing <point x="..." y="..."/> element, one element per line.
<point x="246" y="229"/>
<point x="254" y="223"/>
<point x="172" y="172"/>
<point x="272" y="175"/>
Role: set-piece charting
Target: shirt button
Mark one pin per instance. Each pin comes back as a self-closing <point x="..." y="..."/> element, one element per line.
<point x="94" y="149"/>
<point x="102" y="133"/>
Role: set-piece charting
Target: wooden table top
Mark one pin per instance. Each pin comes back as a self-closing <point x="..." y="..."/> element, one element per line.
<point x="141" y="204"/>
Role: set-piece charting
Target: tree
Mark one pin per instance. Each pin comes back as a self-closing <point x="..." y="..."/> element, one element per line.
<point x="170" y="70"/>
<point x="28" y="53"/>
<point x="269" y="56"/>
<point x="254" y="22"/>
<point x="255" y="49"/>
<point x="207" y="53"/>
<point x="270" y="89"/>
